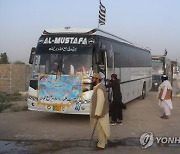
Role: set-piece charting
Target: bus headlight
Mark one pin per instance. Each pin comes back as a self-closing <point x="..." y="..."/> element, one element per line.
<point x="155" y="83"/>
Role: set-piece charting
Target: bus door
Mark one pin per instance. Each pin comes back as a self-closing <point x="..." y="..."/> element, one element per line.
<point x="102" y="62"/>
<point x="116" y="66"/>
<point x="107" y="68"/>
<point x="110" y="64"/>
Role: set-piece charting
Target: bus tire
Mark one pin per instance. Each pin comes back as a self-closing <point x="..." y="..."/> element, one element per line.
<point x="143" y="93"/>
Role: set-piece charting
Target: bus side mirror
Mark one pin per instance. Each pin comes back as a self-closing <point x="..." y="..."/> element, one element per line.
<point x="31" y="58"/>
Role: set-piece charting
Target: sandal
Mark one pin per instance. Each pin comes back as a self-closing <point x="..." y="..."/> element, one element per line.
<point x="165" y="117"/>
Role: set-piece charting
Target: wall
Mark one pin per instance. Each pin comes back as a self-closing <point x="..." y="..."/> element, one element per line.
<point x="14" y="77"/>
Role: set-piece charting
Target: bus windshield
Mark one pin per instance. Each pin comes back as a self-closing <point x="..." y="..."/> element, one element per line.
<point x="157" y="67"/>
<point x="68" y="63"/>
<point x="156" y="77"/>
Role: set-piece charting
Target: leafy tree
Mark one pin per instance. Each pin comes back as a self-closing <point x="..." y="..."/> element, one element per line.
<point x="4" y="58"/>
<point x="18" y="62"/>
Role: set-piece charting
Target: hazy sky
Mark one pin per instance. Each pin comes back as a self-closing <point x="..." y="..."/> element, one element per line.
<point x="148" y="23"/>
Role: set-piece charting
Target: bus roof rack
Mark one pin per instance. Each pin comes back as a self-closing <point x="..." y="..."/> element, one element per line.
<point x="67" y="30"/>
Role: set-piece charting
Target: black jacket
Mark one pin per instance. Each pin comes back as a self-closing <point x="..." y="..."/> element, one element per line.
<point x="115" y="85"/>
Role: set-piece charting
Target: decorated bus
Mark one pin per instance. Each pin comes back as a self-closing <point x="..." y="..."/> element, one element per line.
<point x="65" y="59"/>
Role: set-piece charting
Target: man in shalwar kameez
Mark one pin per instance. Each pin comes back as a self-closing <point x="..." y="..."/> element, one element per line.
<point x="165" y="97"/>
<point x="99" y="111"/>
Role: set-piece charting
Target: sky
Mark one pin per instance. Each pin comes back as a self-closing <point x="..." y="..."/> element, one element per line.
<point x="149" y="23"/>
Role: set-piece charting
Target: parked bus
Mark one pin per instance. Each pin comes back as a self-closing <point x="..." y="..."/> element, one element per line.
<point x="176" y="69"/>
<point x="161" y="65"/>
<point x="65" y="59"/>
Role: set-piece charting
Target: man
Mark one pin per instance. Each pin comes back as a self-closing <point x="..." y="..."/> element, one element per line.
<point x="165" y="96"/>
<point x="99" y="111"/>
<point x="117" y="105"/>
<point x="54" y="68"/>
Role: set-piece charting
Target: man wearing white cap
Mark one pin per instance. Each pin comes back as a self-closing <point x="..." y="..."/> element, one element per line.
<point x="99" y="111"/>
<point x="165" y="97"/>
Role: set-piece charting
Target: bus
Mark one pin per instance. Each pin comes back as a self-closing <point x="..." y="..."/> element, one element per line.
<point x="161" y="65"/>
<point x="65" y="59"/>
<point x="176" y="69"/>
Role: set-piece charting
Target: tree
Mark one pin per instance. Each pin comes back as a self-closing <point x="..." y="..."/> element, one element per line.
<point x="18" y="62"/>
<point x="4" y="58"/>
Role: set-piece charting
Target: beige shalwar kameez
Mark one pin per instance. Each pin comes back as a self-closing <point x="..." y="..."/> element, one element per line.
<point x="102" y="128"/>
<point x="164" y="98"/>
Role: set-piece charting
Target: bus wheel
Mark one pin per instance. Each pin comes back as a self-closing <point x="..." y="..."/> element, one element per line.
<point x="143" y="94"/>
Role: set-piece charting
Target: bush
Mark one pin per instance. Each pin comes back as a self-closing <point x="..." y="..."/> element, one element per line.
<point x="4" y="97"/>
<point x="4" y="105"/>
<point x="19" y="108"/>
<point x="5" y="100"/>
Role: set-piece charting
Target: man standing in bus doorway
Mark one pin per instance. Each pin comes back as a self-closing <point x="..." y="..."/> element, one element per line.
<point x="165" y="96"/>
<point x="116" y="105"/>
<point x="99" y="111"/>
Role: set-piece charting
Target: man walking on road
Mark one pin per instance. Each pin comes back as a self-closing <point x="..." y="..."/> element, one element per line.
<point x="99" y="111"/>
<point x="165" y="96"/>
